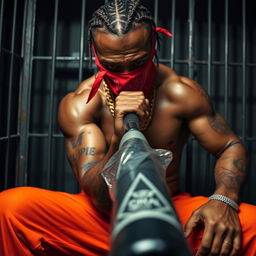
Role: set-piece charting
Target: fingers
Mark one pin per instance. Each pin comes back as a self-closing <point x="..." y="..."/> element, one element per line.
<point x="126" y="102"/>
<point x="191" y="224"/>
<point x="236" y="247"/>
<point x="206" y="243"/>
<point x="132" y="102"/>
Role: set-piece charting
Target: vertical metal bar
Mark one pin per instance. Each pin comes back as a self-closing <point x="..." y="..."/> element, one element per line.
<point x="209" y="71"/>
<point x="207" y="164"/>
<point x="226" y="60"/>
<point x="191" y="22"/>
<point x="82" y="41"/>
<point x="244" y="85"/>
<point x="156" y="11"/>
<point x="1" y="23"/>
<point x="25" y="90"/>
<point x="52" y="86"/>
<point x="9" y="107"/>
<point x="173" y="31"/>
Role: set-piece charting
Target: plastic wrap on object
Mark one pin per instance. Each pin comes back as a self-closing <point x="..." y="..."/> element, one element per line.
<point x="128" y="154"/>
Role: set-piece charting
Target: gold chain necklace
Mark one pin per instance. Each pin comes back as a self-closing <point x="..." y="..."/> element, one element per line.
<point x="111" y="104"/>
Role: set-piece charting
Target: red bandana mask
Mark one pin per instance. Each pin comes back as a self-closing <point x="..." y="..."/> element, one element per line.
<point x="140" y="79"/>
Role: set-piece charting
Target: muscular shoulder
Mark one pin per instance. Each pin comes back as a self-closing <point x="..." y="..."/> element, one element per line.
<point x="74" y="113"/>
<point x="185" y="94"/>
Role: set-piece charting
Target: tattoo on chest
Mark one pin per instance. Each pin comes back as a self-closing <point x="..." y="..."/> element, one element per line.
<point x="78" y="142"/>
<point x="219" y="125"/>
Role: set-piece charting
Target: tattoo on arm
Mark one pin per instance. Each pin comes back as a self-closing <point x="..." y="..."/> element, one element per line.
<point x="227" y="178"/>
<point x="231" y="178"/>
<point x="219" y="125"/>
<point x="240" y="165"/>
<point x="78" y="142"/>
<point x="89" y="151"/>
<point x="87" y="166"/>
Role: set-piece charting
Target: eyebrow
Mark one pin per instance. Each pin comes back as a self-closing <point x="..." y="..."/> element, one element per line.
<point x="135" y="60"/>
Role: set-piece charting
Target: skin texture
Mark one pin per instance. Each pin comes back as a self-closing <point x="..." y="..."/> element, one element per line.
<point x="92" y="135"/>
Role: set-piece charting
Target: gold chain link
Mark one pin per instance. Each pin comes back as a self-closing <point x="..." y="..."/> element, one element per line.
<point x="111" y="104"/>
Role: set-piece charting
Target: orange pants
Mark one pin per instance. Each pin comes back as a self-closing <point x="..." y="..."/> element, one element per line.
<point x="35" y="221"/>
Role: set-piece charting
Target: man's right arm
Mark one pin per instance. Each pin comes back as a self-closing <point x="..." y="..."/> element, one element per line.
<point x="86" y="146"/>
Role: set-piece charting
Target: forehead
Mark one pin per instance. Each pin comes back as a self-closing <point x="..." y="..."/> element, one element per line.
<point x="135" y="40"/>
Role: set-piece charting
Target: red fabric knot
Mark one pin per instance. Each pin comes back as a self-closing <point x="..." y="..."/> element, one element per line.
<point x="163" y="31"/>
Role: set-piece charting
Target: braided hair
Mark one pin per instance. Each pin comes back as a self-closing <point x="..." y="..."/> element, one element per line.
<point x="117" y="17"/>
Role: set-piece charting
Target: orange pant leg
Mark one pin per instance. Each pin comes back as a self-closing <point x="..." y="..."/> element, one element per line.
<point x="185" y="205"/>
<point x="42" y="222"/>
<point x="35" y="221"/>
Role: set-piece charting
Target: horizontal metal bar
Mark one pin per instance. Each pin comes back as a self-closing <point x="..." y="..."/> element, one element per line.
<point x="11" y="53"/>
<point x="13" y="136"/>
<point x="34" y="134"/>
<point x="67" y="58"/>
<point x="205" y="62"/>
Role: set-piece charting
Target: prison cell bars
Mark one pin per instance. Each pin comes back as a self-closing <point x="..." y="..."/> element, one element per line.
<point x="9" y="138"/>
<point x="28" y="58"/>
<point x="25" y="92"/>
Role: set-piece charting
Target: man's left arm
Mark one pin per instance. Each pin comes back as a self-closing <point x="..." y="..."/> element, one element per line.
<point x="222" y="234"/>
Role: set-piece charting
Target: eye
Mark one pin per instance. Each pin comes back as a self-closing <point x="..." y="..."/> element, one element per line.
<point x="138" y="64"/>
<point x="112" y="67"/>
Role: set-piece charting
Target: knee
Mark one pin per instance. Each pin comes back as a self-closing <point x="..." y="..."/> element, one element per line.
<point x="247" y="217"/>
<point x="14" y="200"/>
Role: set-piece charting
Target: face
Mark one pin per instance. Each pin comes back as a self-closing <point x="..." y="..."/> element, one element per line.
<point x="123" y="53"/>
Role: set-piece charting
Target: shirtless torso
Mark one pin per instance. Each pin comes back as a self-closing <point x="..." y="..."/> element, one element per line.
<point x="169" y="128"/>
<point x="181" y="107"/>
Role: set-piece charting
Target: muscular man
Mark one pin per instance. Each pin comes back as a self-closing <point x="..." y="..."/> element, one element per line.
<point x="122" y="36"/>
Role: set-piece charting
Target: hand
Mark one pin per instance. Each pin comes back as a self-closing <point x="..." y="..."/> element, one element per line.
<point x="222" y="229"/>
<point x="130" y="101"/>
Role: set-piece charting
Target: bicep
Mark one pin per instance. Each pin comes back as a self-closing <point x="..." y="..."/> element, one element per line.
<point x="212" y="131"/>
<point x="85" y="148"/>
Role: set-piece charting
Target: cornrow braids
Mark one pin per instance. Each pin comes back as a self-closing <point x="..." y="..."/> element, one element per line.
<point x="117" y="17"/>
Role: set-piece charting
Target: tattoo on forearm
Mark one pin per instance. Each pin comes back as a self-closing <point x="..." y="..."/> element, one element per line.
<point x="78" y="142"/>
<point x="89" y="151"/>
<point x="240" y="165"/>
<point x="219" y="125"/>
<point x="227" y="178"/>
<point x="87" y="166"/>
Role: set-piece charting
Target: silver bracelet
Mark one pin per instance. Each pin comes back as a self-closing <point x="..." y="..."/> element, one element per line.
<point x="225" y="200"/>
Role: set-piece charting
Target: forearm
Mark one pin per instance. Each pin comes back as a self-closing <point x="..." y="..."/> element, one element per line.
<point x="230" y="170"/>
<point x="93" y="183"/>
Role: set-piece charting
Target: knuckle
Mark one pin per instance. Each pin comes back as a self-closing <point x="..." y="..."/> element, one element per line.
<point x="236" y="248"/>
<point x="238" y="231"/>
<point x="225" y="252"/>
<point x="214" y="251"/>
<point x="194" y="213"/>
<point x="205" y="248"/>
<point x="222" y="227"/>
<point x="212" y="223"/>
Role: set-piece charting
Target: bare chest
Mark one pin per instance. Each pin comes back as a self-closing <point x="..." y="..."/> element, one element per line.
<point x="165" y="130"/>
